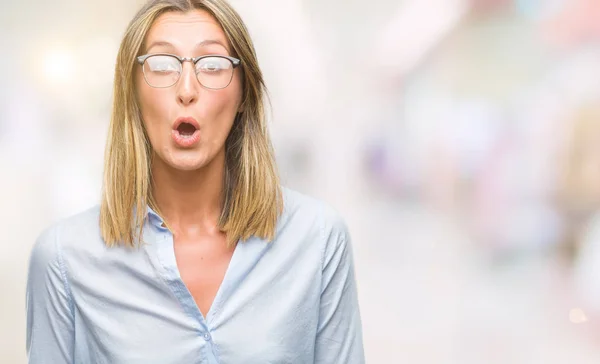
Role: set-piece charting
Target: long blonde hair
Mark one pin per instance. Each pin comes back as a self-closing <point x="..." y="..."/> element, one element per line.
<point x="252" y="199"/>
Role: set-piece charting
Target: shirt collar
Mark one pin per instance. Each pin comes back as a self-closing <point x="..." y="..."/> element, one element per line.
<point x="151" y="217"/>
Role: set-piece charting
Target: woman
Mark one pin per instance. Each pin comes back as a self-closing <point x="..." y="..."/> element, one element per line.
<point x="195" y="254"/>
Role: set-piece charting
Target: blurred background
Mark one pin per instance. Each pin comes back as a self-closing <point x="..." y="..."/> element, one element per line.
<point x="460" y="140"/>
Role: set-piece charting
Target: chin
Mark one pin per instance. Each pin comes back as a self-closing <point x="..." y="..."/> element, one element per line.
<point x="186" y="161"/>
<point x="188" y="165"/>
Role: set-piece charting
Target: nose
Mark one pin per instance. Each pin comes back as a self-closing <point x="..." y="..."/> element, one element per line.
<point x="188" y="85"/>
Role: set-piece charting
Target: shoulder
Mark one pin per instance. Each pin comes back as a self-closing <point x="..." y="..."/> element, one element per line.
<point x="65" y="233"/>
<point x="313" y="216"/>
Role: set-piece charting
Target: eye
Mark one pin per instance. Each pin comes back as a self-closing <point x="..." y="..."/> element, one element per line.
<point x="212" y="65"/>
<point x="162" y="64"/>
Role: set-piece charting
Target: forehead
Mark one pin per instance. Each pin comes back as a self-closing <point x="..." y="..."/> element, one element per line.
<point x="185" y="31"/>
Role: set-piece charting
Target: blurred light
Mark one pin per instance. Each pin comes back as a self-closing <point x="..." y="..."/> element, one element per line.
<point x="538" y="9"/>
<point x="98" y="56"/>
<point x="414" y="31"/>
<point x="59" y="66"/>
<point x="577" y="316"/>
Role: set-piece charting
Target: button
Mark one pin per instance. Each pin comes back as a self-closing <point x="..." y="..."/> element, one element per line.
<point x="207" y="336"/>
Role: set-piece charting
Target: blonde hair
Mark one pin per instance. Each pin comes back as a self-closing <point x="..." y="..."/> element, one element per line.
<point x="252" y="198"/>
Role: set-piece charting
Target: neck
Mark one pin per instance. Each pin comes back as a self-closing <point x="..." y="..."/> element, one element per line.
<point x="189" y="200"/>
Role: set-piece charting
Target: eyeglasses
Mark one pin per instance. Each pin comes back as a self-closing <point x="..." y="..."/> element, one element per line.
<point x="163" y="70"/>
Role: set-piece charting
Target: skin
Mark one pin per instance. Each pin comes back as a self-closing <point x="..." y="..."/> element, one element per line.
<point x="188" y="181"/>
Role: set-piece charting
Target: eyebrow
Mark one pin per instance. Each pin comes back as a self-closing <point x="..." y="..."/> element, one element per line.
<point x="204" y="43"/>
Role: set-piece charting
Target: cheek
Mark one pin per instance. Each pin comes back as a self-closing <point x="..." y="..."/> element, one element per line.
<point x="152" y="106"/>
<point x="238" y="84"/>
<point x="221" y="107"/>
<point x="224" y="112"/>
<point x="235" y="95"/>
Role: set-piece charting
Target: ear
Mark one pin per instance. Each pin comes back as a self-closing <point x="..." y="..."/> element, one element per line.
<point x="241" y="108"/>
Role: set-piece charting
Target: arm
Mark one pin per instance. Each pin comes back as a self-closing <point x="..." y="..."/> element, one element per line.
<point x="339" y="334"/>
<point x="50" y="320"/>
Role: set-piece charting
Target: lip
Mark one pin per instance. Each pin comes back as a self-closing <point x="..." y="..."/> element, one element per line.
<point x="188" y="120"/>
<point x="185" y="141"/>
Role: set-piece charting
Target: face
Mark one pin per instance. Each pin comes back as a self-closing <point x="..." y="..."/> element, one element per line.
<point x="187" y="123"/>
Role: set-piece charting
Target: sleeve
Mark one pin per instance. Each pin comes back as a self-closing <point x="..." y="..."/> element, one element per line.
<point x="339" y="333"/>
<point x="50" y="320"/>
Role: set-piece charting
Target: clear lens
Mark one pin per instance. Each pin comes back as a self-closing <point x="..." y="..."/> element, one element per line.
<point x="214" y="72"/>
<point x="162" y="71"/>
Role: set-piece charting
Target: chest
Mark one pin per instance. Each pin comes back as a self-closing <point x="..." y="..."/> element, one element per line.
<point x="202" y="264"/>
<point x="267" y="309"/>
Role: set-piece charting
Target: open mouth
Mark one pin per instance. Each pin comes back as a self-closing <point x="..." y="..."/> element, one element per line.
<point x="186" y="132"/>
<point x="186" y="129"/>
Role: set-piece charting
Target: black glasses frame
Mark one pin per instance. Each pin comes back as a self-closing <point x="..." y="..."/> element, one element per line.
<point x="234" y="62"/>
